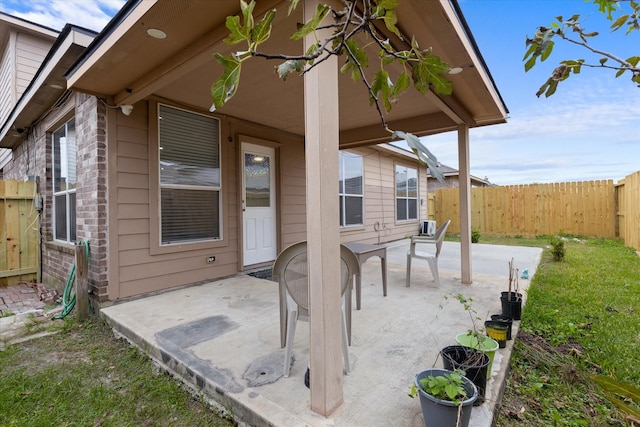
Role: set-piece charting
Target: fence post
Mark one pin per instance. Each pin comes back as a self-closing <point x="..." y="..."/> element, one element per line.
<point x="82" y="282"/>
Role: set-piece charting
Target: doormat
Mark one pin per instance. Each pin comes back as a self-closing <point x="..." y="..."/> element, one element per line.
<point x="262" y="274"/>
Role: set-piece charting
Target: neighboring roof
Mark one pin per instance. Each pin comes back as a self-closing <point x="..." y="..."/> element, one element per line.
<point x="44" y="90"/>
<point x="448" y="171"/>
<point x="181" y="68"/>
<point x="24" y="25"/>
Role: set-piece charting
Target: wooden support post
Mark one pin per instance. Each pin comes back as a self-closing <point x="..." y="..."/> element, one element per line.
<point x="82" y="282"/>
<point x="323" y="235"/>
<point x="465" y="204"/>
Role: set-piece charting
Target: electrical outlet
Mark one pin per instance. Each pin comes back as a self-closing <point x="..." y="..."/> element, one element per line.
<point x="210" y="259"/>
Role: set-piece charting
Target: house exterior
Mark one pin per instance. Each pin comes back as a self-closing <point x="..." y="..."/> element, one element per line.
<point x="64" y="143"/>
<point x="452" y="179"/>
<point x="129" y="156"/>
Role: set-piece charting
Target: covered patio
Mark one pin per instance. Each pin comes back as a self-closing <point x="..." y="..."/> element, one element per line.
<point x="160" y="51"/>
<point x="222" y="338"/>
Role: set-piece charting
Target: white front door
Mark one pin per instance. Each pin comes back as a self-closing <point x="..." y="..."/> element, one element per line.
<point x="258" y="204"/>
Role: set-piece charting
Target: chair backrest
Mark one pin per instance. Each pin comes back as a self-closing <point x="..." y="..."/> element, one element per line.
<point x="440" y="232"/>
<point x="291" y="270"/>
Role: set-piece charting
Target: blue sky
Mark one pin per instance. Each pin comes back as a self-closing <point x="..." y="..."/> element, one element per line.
<point x="587" y="130"/>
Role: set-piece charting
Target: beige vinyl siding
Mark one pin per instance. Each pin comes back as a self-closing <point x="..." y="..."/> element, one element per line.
<point x="138" y="270"/>
<point x="7" y="88"/>
<point x="379" y="199"/>
<point x="293" y="194"/>
<point x="30" y="52"/>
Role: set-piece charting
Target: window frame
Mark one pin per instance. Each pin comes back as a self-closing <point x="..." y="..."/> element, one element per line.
<point x="155" y="188"/>
<point x="342" y="194"/>
<point x="407" y="198"/>
<point x="71" y="230"/>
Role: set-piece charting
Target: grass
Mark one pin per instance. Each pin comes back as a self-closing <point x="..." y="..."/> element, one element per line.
<point x="582" y="317"/>
<point x="83" y="376"/>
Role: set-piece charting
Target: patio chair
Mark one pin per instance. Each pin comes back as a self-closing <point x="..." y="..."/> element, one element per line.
<point x="290" y="267"/>
<point x="432" y="256"/>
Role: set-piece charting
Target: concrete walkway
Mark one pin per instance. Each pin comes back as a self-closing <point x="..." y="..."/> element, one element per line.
<point x="223" y="338"/>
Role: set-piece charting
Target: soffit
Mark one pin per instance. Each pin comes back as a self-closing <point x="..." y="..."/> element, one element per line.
<point x="181" y="69"/>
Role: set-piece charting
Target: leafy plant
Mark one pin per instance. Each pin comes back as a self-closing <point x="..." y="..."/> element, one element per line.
<point x="542" y="44"/>
<point x="622" y="395"/>
<point x="475" y="236"/>
<point x="356" y="18"/>
<point x="448" y="386"/>
<point x="557" y="248"/>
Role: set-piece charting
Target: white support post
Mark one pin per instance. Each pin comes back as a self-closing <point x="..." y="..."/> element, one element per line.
<point x="323" y="236"/>
<point x="465" y="204"/>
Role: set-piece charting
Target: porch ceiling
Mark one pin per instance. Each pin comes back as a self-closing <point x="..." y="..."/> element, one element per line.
<point x="126" y="65"/>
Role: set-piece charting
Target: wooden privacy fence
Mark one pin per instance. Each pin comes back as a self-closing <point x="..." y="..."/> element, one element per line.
<point x="19" y="228"/>
<point x="584" y="208"/>
<point x="628" y="209"/>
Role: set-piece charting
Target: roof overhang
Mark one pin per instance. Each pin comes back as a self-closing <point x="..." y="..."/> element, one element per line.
<point x="47" y="86"/>
<point x="181" y="68"/>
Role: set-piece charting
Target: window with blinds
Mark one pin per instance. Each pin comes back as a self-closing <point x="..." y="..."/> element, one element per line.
<point x="406" y="193"/>
<point x="190" y="183"/>
<point x="351" y="188"/>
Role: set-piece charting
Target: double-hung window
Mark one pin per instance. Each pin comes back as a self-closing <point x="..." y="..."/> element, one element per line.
<point x="406" y="193"/>
<point x="190" y="183"/>
<point x="64" y="182"/>
<point x="351" y="188"/>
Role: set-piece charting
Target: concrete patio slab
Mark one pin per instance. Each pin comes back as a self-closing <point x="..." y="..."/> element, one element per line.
<point x="223" y="338"/>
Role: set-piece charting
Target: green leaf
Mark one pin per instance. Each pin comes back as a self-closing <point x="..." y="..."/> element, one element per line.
<point x="619" y="22"/>
<point x="288" y="67"/>
<point x="620" y="72"/>
<point x="227" y="84"/>
<point x="292" y="6"/>
<point x="351" y="64"/>
<point x="381" y="88"/>
<point x="385" y="10"/>
<point x="402" y="84"/>
<point x="237" y="33"/>
<point x="311" y="25"/>
<point x="633" y="60"/>
<point x="427" y="72"/>
<point x="617" y="387"/>
<point x="603" y="60"/>
<point x="247" y="13"/>
<point x="262" y="31"/>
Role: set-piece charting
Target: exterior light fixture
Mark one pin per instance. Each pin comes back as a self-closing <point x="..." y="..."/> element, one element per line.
<point x="156" y="33"/>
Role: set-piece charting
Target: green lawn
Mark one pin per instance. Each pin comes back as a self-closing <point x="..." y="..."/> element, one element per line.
<point x="83" y="376"/>
<point x="582" y="318"/>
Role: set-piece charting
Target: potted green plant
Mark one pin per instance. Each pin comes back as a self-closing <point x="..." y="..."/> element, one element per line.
<point x="512" y="299"/>
<point x="446" y="397"/>
<point x="477" y="360"/>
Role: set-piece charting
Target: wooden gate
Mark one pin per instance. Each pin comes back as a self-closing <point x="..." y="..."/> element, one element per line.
<point x="19" y="231"/>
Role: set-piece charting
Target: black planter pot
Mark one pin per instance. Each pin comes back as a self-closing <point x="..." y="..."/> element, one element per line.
<point x="460" y="357"/>
<point x="505" y="320"/>
<point x="511" y="305"/>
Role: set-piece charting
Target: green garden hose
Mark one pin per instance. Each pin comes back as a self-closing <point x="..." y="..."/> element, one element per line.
<point x="69" y="294"/>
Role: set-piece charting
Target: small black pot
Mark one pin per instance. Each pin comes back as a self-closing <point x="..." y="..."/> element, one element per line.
<point x="505" y="320"/>
<point x="460" y="357"/>
<point x="511" y="305"/>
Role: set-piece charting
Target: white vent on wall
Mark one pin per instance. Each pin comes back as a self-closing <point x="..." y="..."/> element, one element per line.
<point x="428" y="228"/>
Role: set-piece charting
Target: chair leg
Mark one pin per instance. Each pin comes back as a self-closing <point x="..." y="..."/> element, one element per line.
<point x="345" y="345"/>
<point x="291" y="331"/>
<point x="433" y="264"/>
<point x="408" y="268"/>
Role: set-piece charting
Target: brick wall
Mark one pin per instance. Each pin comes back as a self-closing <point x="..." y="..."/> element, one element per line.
<point x="33" y="157"/>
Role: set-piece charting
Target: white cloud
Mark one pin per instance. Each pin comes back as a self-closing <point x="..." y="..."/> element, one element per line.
<point x="91" y="14"/>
